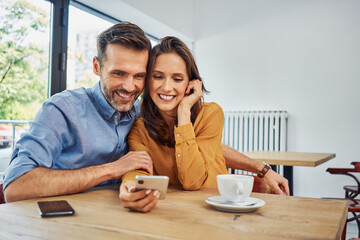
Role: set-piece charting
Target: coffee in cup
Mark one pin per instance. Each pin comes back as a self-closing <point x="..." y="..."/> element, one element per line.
<point x="235" y="188"/>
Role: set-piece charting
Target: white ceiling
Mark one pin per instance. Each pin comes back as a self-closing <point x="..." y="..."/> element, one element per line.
<point x="126" y="12"/>
<point x="192" y="20"/>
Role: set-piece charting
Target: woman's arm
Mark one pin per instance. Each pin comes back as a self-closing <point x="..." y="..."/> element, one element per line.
<point x="194" y="152"/>
<point x="141" y="201"/>
<point x="136" y="143"/>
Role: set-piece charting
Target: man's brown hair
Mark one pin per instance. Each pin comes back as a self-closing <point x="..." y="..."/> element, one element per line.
<point x="126" y="34"/>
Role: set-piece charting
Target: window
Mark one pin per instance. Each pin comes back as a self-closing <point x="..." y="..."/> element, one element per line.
<point x="84" y="26"/>
<point x="46" y="46"/>
<point x="24" y="67"/>
<point x="24" y="57"/>
<point x="83" y="30"/>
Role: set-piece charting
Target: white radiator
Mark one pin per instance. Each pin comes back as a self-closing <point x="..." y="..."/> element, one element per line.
<point x="248" y="131"/>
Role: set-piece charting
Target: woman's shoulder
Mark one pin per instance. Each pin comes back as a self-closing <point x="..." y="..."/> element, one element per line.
<point x="210" y="107"/>
<point x="139" y="123"/>
<point x="209" y="111"/>
<point x="138" y="128"/>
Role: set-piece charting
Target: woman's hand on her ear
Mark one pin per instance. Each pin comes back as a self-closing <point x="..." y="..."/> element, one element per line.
<point x="193" y="94"/>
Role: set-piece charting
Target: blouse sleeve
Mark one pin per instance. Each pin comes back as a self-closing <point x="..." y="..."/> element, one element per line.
<point x="193" y="151"/>
<point x="136" y="144"/>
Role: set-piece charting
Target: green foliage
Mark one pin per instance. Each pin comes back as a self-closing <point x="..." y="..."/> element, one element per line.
<point x="23" y="65"/>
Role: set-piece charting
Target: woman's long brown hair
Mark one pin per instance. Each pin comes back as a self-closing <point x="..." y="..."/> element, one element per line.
<point x="155" y="124"/>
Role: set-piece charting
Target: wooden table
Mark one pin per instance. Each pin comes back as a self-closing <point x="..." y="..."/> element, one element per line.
<point x="182" y="215"/>
<point x="290" y="159"/>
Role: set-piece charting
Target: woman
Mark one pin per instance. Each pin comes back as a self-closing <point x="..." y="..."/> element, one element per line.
<point x="180" y="132"/>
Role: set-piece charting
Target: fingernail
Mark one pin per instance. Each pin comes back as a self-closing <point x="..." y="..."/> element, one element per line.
<point x="131" y="189"/>
<point x="157" y="194"/>
<point x="148" y="192"/>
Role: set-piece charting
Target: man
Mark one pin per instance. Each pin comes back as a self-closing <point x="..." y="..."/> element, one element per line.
<point x="78" y="138"/>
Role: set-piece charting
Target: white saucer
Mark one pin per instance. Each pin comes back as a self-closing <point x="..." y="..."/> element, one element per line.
<point x="221" y="204"/>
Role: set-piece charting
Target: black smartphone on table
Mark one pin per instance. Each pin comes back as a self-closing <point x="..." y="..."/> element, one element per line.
<point x="55" y="208"/>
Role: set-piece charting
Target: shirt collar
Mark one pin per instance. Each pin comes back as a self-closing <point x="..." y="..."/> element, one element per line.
<point x="105" y="109"/>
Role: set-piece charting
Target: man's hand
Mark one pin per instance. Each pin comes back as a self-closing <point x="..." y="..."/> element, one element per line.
<point x="278" y="183"/>
<point x="237" y="160"/>
<point x="53" y="182"/>
<point x="131" y="161"/>
<point x="141" y="201"/>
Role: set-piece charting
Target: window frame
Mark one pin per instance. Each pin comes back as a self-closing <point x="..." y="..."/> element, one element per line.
<point x="58" y="46"/>
<point x="59" y="40"/>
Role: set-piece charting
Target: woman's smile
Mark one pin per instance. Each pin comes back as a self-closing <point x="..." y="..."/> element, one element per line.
<point x="168" y="83"/>
<point x="166" y="98"/>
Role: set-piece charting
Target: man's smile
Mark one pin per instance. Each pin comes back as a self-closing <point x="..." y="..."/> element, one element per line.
<point x="125" y="96"/>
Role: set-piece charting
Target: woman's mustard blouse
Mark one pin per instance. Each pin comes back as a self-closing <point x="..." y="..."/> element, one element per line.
<point x="197" y="157"/>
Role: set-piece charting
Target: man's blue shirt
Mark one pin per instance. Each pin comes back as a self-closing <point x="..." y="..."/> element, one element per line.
<point x="73" y="129"/>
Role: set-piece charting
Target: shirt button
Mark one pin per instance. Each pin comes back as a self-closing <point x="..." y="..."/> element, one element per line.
<point x="178" y="135"/>
<point x="179" y="155"/>
<point x="119" y="147"/>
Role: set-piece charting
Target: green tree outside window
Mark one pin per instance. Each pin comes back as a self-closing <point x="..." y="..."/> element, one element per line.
<point x="23" y="65"/>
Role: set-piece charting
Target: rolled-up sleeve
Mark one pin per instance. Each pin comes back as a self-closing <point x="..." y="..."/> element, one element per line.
<point x="41" y="144"/>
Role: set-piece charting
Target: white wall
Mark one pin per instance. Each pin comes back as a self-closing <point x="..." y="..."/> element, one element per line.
<point x="305" y="60"/>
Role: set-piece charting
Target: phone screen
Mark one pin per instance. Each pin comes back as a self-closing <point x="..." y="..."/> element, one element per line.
<point x="55" y="208"/>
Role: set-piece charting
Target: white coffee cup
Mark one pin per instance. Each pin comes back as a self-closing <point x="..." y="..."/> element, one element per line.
<point x="235" y="188"/>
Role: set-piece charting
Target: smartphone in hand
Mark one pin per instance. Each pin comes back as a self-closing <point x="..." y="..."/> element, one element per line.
<point x="55" y="208"/>
<point x="159" y="183"/>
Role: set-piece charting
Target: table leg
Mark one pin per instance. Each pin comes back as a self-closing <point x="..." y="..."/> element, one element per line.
<point x="288" y="174"/>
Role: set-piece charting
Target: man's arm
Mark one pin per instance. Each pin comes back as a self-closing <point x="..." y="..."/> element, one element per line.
<point x="42" y="182"/>
<point x="236" y="160"/>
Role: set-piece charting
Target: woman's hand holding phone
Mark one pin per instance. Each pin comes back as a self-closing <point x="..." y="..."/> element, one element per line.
<point x="141" y="201"/>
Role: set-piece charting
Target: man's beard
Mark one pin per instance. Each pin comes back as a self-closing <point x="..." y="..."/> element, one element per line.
<point x="123" y="106"/>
